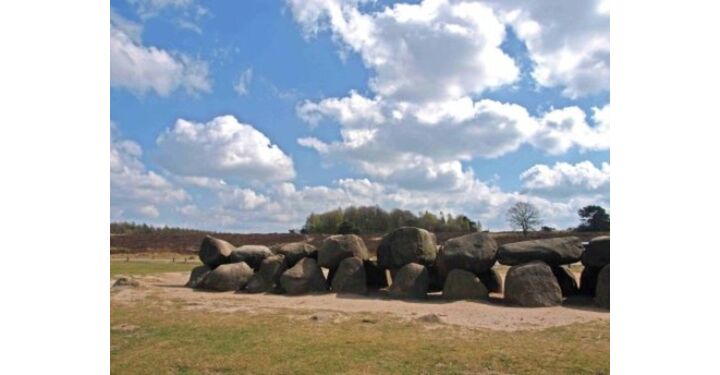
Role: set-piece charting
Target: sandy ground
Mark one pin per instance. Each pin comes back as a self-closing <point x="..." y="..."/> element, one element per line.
<point x="168" y="288"/>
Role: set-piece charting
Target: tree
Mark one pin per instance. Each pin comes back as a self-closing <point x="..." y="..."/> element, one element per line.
<point x="524" y="216"/>
<point x="347" y="227"/>
<point x="594" y="219"/>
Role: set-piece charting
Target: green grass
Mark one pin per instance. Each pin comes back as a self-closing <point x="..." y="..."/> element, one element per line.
<point x="144" y="267"/>
<point x="166" y="339"/>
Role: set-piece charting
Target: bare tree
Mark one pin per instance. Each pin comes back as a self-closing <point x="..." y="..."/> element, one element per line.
<point x="524" y="216"/>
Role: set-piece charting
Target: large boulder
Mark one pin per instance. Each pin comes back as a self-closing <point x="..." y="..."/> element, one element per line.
<point x="294" y="251"/>
<point x="214" y="251"/>
<point x="340" y="246"/>
<point x="374" y="275"/>
<point x="597" y="252"/>
<point x="350" y="277"/>
<point x="461" y="284"/>
<point x="553" y="251"/>
<point x="492" y="281"/>
<point x="253" y="255"/>
<point x="304" y="277"/>
<point x="473" y="252"/>
<point x="566" y="280"/>
<point x="410" y="281"/>
<point x="406" y="245"/>
<point x="227" y="277"/>
<point x="197" y="275"/>
<point x="267" y="278"/>
<point x="602" y="289"/>
<point x="588" y="280"/>
<point x="532" y="285"/>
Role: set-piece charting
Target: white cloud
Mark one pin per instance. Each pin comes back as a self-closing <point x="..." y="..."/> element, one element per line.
<point x="140" y="68"/>
<point x="222" y="148"/>
<point x="561" y="129"/>
<point x="569" y="41"/>
<point x="429" y="61"/>
<point x="242" y="84"/>
<point x="354" y="109"/>
<point x="422" y="146"/>
<point x="432" y="51"/>
<point x="564" y="179"/>
<point x="446" y="49"/>
<point x="133" y="189"/>
<point x="244" y="199"/>
<point x="149" y="211"/>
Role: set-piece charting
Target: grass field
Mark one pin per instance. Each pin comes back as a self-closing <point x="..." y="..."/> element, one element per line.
<point x="147" y="339"/>
<point x="148" y="266"/>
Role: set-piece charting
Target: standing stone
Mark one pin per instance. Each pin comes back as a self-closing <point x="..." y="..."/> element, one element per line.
<point x="532" y="285"/>
<point x="597" y="252"/>
<point x="406" y="245"/>
<point x="473" y="252"/>
<point x="214" y="251"/>
<point x="492" y="281"/>
<point x="227" y="277"/>
<point x="340" y="246"/>
<point x="553" y="251"/>
<point x="197" y="274"/>
<point x="268" y="276"/>
<point x="588" y="280"/>
<point x="375" y="276"/>
<point x="294" y="251"/>
<point x="350" y="277"/>
<point x="304" y="277"/>
<point x="566" y="280"/>
<point x="410" y="281"/>
<point x="461" y="284"/>
<point x="602" y="290"/>
<point x="253" y="255"/>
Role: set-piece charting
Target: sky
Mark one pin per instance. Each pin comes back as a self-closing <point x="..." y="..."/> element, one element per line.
<point x="249" y="115"/>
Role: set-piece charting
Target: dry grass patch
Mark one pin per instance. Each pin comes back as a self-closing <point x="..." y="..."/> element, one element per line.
<point x="172" y="339"/>
<point x="145" y="267"/>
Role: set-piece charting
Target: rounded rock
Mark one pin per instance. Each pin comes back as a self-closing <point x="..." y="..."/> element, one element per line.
<point x="532" y="285"/>
<point x="475" y="252"/>
<point x="410" y="281"/>
<point x="340" y="246"/>
<point x="227" y="277"/>
<point x="552" y="251"/>
<point x="461" y="284"/>
<point x="406" y="245"/>
<point x="350" y="277"/>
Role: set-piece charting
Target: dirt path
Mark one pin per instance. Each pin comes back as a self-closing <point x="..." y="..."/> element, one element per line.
<point x="168" y="287"/>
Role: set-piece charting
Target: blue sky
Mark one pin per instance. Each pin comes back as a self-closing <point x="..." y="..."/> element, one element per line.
<point x="248" y="115"/>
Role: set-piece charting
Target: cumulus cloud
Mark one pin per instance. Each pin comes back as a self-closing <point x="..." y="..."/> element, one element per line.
<point x="429" y="62"/>
<point x="432" y="51"/>
<point x="222" y="148"/>
<point x="134" y="190"/>
<point x="564" y="128"/>
<point x="141" y="68"/>
<point x="351" y="110"/>
<point x="568" y="41"/>
<point x="410" y="144"/>
<point x="444" y="49"/>
<point x="564" y="179"/>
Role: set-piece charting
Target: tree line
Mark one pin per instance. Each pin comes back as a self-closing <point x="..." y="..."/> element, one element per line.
<point x="133" y="228"/>
<point x="373" y="219"/>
